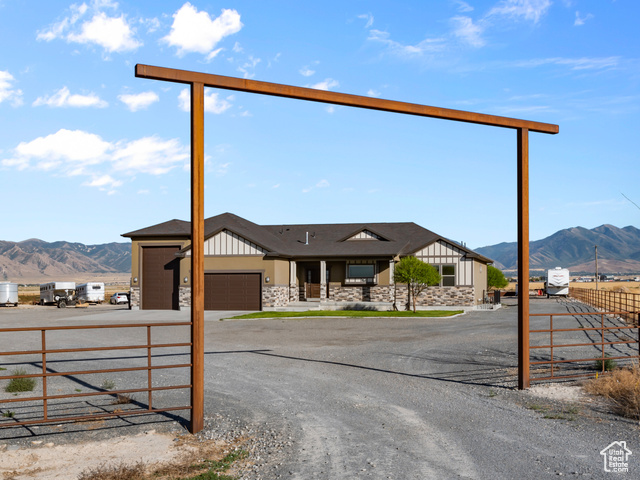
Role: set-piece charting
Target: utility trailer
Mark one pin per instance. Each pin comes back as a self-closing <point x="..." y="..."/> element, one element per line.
<point x="557" y="282"/>
<point x="90" y="292"/>
<point x="58" y="293"/>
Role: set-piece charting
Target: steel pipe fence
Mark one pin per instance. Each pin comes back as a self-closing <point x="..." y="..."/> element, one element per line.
<point x="40" y="357"/>
<point x="623" y="302"/>
<point x="582" y="344"/>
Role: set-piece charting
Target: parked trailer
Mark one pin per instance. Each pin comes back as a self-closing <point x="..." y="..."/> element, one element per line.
<point x="8" y="294"/>
<point x="60" y="293"/>
<point x="90" y="292"/>
<point x="557" y="282"/>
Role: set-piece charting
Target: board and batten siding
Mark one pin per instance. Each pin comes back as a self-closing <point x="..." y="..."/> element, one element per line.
<point x="365" y="235"/>
<point x="444" y="253"/>
<point x="228" y="243"/>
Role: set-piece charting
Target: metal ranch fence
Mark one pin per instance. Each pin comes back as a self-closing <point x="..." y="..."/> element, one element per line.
<point x="41" y="355"/>
<point x="623" y="302"/>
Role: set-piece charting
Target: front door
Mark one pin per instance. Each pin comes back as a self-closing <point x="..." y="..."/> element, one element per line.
<point x="312" y="282"/>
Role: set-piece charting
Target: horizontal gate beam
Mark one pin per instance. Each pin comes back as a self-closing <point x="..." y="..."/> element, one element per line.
<point x="336" y="98"/>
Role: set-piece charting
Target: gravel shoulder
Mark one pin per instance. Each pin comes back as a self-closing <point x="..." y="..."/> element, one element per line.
<point x="376" y="398"/>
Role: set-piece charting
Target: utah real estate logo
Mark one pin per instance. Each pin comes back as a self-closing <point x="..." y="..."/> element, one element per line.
<point x="616" y="457"/>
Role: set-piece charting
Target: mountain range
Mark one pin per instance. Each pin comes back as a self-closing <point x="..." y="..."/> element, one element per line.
<point x="574" y="248"/>
<point x="37" y="259"/>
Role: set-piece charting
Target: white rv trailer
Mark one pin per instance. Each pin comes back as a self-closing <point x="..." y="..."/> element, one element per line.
<point x="557" y="282"/>
<point x="52" y="292"/>
<point x="90" y="292"/>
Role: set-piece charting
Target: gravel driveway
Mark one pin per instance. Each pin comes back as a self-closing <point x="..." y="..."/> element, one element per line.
<point x="383" y="398"/>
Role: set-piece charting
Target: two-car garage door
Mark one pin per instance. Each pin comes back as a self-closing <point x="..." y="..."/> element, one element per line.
<point x="232" y="291"/>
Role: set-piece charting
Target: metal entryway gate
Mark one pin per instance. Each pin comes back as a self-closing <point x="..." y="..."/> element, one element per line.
<point x="197" y="81"/>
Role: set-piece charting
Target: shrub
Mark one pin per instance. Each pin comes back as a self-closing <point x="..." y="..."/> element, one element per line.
<point x="606" y="365"/>
<point x="622" y="388"/>
<point x="20" y="384"/>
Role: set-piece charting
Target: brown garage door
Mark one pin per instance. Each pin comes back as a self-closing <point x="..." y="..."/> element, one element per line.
<point x="232" y="291"/>
<point x="160" y="278"/>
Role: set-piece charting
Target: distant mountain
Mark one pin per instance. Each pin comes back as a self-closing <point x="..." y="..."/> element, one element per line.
<point x="36" y="258"/>
<point x="573" y="248"/>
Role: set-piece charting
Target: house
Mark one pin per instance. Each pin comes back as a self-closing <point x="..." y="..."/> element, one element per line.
<point x="269" y="267"/>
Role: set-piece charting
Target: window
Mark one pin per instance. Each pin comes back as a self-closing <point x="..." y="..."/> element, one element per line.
<point x="448" y="274"/>
<point x="361" y="271"/>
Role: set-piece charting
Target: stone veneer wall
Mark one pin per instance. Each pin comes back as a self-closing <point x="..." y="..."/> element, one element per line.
<point x="184" y="297"/>
<point x="275" y="295"/>
<point x="360" y="293"/>
<point x="135" y="296"/>
<point x="431" y="297"/>
<point x="439" y="297"/>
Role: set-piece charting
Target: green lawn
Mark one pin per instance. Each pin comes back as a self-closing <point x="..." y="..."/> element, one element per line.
<point x="349" y="313"/>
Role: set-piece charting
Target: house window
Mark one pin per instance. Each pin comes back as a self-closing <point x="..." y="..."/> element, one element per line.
<point x="447" y="274"/>
<point x="361" y="271"/>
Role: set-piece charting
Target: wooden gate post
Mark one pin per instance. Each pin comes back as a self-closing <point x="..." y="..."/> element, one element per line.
<point x="197" y="257"/>
<point x="523" y="258"/>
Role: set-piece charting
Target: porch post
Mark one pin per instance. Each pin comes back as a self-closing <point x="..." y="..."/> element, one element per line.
<point x="294" y="294"/>
<point x="323" y="280"/>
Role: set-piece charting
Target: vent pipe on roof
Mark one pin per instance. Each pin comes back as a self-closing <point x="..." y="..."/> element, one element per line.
<point x="306" y="242"/>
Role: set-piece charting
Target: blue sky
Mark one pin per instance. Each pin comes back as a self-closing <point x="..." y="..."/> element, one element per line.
<point x="88" y="151"/>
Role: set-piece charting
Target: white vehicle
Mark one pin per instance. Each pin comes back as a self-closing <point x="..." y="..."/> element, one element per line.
<point x="52" y="292"/>
<point x="91" y="292"/>
<point x="557" y="282"/>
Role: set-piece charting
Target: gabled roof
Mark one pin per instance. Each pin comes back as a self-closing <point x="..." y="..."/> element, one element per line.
<point x="172" y="228"/>
<point x="319" y="240"/>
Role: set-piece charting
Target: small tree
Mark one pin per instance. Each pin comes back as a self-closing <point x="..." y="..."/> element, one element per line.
<point x="495" y="278"/>
<point x="417" y="274"/>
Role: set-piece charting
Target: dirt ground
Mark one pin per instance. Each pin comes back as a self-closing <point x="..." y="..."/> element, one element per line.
<point x="47" y="461"/>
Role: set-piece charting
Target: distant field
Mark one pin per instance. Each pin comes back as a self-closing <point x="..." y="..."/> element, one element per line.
<point x="628" y="287"/>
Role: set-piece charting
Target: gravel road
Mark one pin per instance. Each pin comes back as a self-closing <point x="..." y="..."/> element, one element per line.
<point x="378" y="398"/>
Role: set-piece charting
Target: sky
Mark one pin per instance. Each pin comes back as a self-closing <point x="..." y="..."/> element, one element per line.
<point x="89" y="152"/>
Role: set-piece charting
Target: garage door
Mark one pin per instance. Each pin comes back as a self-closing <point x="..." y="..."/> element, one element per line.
<point x="232" y="291"/>
<point x="160" y="278"/>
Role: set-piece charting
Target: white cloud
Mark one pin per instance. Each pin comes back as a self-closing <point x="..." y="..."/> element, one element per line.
<point x="463" y="6"/>
<point x="249" y="65"/>
<point x="368" y="17"/>
<point x="327" y="84"/>
<point x="322" y="184"/>
<point x="306" y="71"/>
<point x="138" y="101"/>
<point x="76" y="153"/>
<point x="150" y="155"/>
<point x="7" y="92"/>
<point x="63" y="98"/>
<point x="528" y="9"/>
<point x="113" y="33"/>
<point x="428" y="45"/>
<point x="470" y="33"/>
<point x="580" y="20"/>
<point x="194" y="31"/>
<point x="373" y="93"/>
<point x="212" y="102"/>
<point x="585" y="63"/>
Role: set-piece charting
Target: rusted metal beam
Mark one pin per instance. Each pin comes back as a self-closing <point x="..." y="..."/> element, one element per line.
<point x="336" y="98"/>
<point x="523" y="259"/>
<point x="197" y="257"/>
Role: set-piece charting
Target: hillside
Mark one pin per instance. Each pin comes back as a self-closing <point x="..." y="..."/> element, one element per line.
<point x="573" y="248"/>
<point x="40" y="260"/>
